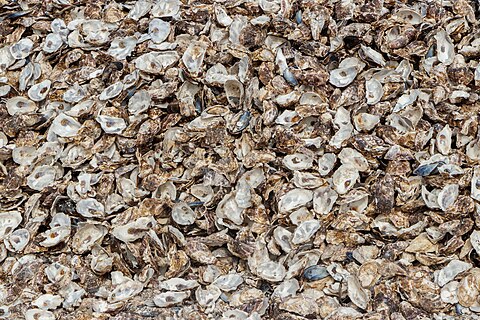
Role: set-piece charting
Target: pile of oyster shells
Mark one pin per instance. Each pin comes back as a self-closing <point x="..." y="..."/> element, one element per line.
<point x="239" y="159"/>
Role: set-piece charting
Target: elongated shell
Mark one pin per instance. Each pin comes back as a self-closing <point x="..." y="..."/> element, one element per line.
<point x="294" y="199"/>
<point x="193" y="56"/>
<point x="41" y="177"/>
<point x="65" y="126"/>
<point x="20" y="105"/>
<point x="111" y="125"/>
<point x="374" y="91"/>
<point x="342" y="77"/>
<point x="445" y="48"/>
<point x="345" y="177"/>
<point x="234" y="92"/>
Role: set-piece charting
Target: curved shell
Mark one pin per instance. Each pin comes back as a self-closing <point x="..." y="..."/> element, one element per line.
<point x="36" y="314"/>
<point x="90" y="208"/>
<point x="134" y="230"/>
<point x="353" y="157"/>
<point x="86" y="236"/>
<point x="111" y="91"/>
<point x="167" y="8"/>
<point x="228" y="209"/>
<point x="365" y="121"/>
<point x="75" y="93"/>
<point x="8" y="222"/>
<point x="342" y="77"/>
<point x="345" y="178"/>
<point x="48" y="301"/>
<point x="445" y="48"/>
<point x="24" y="155"/>
<point x="374" y="91"/>
<point x="139" y="102"/>
<point x="444" y="140"/>
<point x="202" y="192"/>
<point x="17" y="240"/>
<point x="158" y="30"/>
<point x="52" y="43"/>
<point x="323" y="200"/>
<point x="156" y="62"/>
<point x="298" y="161"/>
<point x="22" y="48"/>
<point x="65" y="126"/>
<point x="283" y="237"/>
<point x="193" y="57"/>
<point x="373" y="55"/>
<point x="305" y="231"/>
<point x="183" y="214"/>
<point x="271" y="271"/>
<point x="169" y="298"/>
<point x="178" y="284"/>
<point x="41" y="177"/>
<point x="307" y="180"/>
<point x="294" y="199"/>
<point x="228" y="282"/>
<point x="111" y="125"/>
<point x="121" y="48"/>
<point x="39" y="91"/>
<point x="234" y="92"/>
<point x="208" y="296"/>
<point x="326" y="163"/>
<point x="409" y="16"/>
<point x="20" y="105"/>
<point x="54" y="236"/>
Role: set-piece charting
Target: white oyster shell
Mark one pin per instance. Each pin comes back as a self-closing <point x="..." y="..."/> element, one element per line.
<point x="41" y="177"/>
<point x="305" y="231"/>
<point x="228" y="282"/>
<point x="298" y="161"/>
<point x="39" y="91"/>
<point x="8" y="222"/>
<point x="22" y="48"/>
<point x="39" y="314"/>
<point x="170" y="298"/>
<point x="65" y="126"/>
<point x="294" y="199"/>
<point x="48" y="301"/>
<point x="20" y="105"/>
<point x="193" y="56"/>
<point x="373" y="91"/>
<point x="17" y="240"/>
<point x="178" y="284"/>
<point x="111" y="125"/>
<point x="345" y="178"/>
<point x="139" y="102"/>
<point x="158" y="30"/>
<point x="183" y="214"/>
<point x="53" y="42"/>
<point x="121" y="48"/>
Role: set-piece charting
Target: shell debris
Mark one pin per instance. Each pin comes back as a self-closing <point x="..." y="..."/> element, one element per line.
<point x="261" y="159"/>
